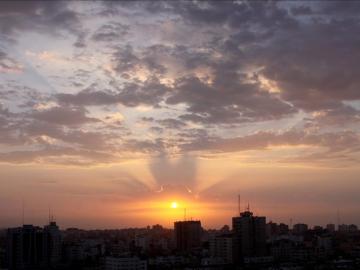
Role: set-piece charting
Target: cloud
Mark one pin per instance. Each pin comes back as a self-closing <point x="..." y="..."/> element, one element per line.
<point x="64" y="116"/>
<point x="150" y="92"/>
<point x="58" y="155"/>
<point x="111" y="32"/>
<point x="48" y="17"/>
<point x="172" y="123"/>
<point x="251" y="67"/>
<point x="333" y="144"/>
<point x="227" y="102"/>
<point x="8" y="64"/>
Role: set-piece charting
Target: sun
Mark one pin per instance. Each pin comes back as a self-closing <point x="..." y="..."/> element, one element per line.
<point x="174" y="205"/>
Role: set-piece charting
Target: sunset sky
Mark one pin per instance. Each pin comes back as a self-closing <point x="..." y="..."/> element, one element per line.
<point x="111" y="111"/>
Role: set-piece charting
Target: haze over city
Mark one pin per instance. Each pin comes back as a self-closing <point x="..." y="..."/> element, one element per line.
<point x="123" y="114"/>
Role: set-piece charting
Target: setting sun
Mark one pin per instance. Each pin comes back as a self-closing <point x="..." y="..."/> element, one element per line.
<point x="174" y="205"/>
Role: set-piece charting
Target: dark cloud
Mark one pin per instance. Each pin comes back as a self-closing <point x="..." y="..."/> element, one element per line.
<point x="127" y="62"/>
<point x="150" y="92"/>
<point x="340" y="116"/>
<point x="64" y="116"/>
<point x="301" y="10"/>
<point x="111" y="32"/>
<point x="227" y="102"/>
<point x="172" y="123"/>
<point x="41" y="16"/>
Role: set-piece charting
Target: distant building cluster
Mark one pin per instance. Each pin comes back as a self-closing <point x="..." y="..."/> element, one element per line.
<point x="251" y="243"/>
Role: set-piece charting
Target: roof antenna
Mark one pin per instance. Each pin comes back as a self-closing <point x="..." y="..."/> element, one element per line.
<point x="239" y="209"/>
<point x="23" y="212"/>
<point x="184" y="214"/>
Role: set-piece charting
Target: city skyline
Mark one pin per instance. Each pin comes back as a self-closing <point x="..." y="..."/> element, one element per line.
<point x="123" y="114"/>
<point x="291" y="223"/>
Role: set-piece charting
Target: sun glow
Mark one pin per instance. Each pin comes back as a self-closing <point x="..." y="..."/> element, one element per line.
<point x="174" y="205"/>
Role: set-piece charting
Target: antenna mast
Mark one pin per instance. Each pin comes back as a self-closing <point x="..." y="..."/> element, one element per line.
<point x="239" y="209"/>
<point x="23" y="212"/>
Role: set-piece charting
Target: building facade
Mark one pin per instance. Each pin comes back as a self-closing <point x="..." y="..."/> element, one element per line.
<point x="30" y="247"/>
<point x="187" y="235"/>
<point x="249" y="236"/>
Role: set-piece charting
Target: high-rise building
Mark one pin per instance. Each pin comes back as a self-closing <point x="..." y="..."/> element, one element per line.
<point x="249" y="234"/>
<point x="52" y="244"/>
<point x="25" y="247"/>
<point x="31" y="247"/>
<point x="220" y="246"/>
<point x="187" y="235"/>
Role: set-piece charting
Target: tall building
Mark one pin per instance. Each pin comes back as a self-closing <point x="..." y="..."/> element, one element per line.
<point x="30" y="247"/>
<point x="52" y="244"/>
<point x="220" y="246"/>
<point x="249" y="233"/>
<point x="25" y="247"/>
<point x="187" y="235"/>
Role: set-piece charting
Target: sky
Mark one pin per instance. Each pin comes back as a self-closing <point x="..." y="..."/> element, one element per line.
<point x="112" y="111"/>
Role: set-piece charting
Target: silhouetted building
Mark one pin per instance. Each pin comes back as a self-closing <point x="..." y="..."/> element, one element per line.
<point x="249" y="236"/>
<point x="52" y="244"/>
<point x="330" y="228"/>
<point x="283" y="228"/>
<point x="25" y="247"/>
<point x="318" y="229"/>
<point x="300" y="228"/>
<point x="187" y="235"/>
<point x="220" y="246"/>
<point x="344" y="228"/>
<point x="272" y="229"/>
<point x="31" y="247"/>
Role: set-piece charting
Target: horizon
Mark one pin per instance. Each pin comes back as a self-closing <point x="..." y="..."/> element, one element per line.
<point x="125" y="113"/>
<point x="291" y="223"/>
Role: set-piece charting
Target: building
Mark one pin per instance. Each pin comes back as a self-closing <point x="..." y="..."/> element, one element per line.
<point x="300" y="228"/>
<point x="52" y="244"/>
<point x="125" y="263"/>
<point x="187" y="235"/>
<point x="344" y="228"/>
<point x="249" y="236"/>
<point x="31" y="247"/>
<point x="330" y="228"/>
<point x="25" y="247"/>
<point x="283" y="228"/>
<point x="220" y="246"/>
<point x="272" y="229"/>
